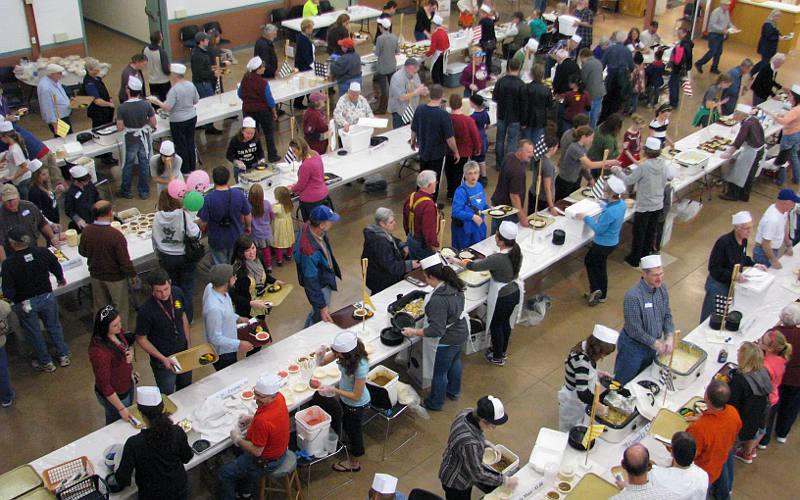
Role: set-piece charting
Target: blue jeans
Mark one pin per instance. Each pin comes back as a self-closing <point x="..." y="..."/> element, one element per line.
<point x="6" y="392"/>
<point x="446" y="376"/>
<point x="112" y="415"/>
<point x="397" y="120"/>
<point x="791" y="141"/>
<point x="760" y="257"/>
<point x="416" y="250"/>
<point x="167" y="380"/>
<point x="532" y="133"/>
<point x="506" y="133"/>
<point x="221" y="255"/>
<point x="541" y="5"/>
<point x="182" y="275"/>
<point x="314" y="316"/>
<point x="674" y="89"/>
<point x="135" y="153"/>
<point x="634" y="103"/>
<point x="632" y="358"/>
<point x="715" y="41"/>
<point x="594" y="113"/>
<point x="713" y="289"/>
<point x="244" y="470"/>
<point x="204" y="89"/>
<point x="721" y="489"/>
<point x="43" y="307"/>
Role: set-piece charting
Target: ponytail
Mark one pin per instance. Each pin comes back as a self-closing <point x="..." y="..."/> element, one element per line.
<point x="515" y="254"/>
<point x="159" y="424"/>
<point x="446" y="274"/>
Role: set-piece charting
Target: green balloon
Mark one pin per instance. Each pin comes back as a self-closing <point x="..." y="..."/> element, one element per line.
<point x="193" y="201"/>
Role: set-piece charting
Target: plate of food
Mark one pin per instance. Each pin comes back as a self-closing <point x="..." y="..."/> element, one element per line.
<point x="466" y="254"/>
<point x="447" y="252"/>
<point x="261" y="336"/>
<point x="293" y="369"/>
<point x="362" y="312"/>
<point x="496" y="212"/>
<point x="274" y="288"/>
<point x="247" y="395"/>
<point x="207" y="358"/>
<point x="538" y="223"/>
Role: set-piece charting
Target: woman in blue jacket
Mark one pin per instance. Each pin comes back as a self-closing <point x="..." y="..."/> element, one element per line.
<point x="606" y="227"/>
<point x="468" y="203"/>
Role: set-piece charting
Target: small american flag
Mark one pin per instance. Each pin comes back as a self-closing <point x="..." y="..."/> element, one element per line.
<point x="290" y="157"/>
<point x="286" y="69"/>
<point x="477" y="33"/>
<point x="687" y="88"/>
<point x="320" y="69"/>
<point x="599" y="188"/>
<point x="408" y="115"/>
<point x="539" y="149"/>
<point x="665" y="377"/>
<point x="594" y="431"/>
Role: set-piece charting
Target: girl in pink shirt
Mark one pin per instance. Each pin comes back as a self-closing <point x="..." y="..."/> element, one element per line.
<point x="777" y="352"/>
<point x="310" y="186"/>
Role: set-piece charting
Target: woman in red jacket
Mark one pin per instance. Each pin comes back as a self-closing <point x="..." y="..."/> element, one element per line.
<point x="468" y="141"/>
<point x="257" y="102"/>
<point x="111" y="357"/>
<point x="440" y="42"/>
<point x="315" y="124"/>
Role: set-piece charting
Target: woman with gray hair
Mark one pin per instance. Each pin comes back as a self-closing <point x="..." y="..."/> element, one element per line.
<point x="101" y="110"/>
<point x="789" y="390"/>
<point x="768" y="41"/>
<point x="265" y="49"/>
<point x="764" y="84"/>
<point x="388" y="256"/>
<point x="469" y="201"/>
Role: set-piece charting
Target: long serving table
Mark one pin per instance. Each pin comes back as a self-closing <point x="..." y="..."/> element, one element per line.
<point x="357" y="13"/>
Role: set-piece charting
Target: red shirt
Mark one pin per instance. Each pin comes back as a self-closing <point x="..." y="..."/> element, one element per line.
<point x="576" y="103"/>
<point x="715" y="433"/>
<point x="315" y="124"/>
<point x="468" y="140"/>
<point x="792" y="375"/>
<point x="776" y="367"/>
<point x="439" y="41"/>
<point x="270" y="429"/>
<point x="426" y="218"/>
<point x="112" y="374"/>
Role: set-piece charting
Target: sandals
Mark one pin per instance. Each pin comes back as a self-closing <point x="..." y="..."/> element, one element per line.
<point x="344" y="466"/>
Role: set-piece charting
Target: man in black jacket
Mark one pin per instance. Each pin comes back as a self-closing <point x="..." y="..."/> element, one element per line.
<point x="509" y="94"/>
<point x="538" y="101"/>
<point x="204" y="73"/>
<point x="265" y="49"/>
<point x="388" y="256"/>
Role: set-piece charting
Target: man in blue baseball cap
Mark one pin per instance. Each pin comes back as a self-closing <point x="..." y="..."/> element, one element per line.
<point x="773" y="230"/>
<point x="317" y="268"/>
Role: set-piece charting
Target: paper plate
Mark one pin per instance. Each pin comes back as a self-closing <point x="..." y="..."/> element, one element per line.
<point x="495" y="212"/>
<point x="300" y="387"/>
<point x="247" y="395"/>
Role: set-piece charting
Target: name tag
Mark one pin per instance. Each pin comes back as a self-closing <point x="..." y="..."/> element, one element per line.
<point x="78" y="194"/>
<point x="28" y="257"/>
<point x="26" y="212"/>
<point x="648" y="305"/>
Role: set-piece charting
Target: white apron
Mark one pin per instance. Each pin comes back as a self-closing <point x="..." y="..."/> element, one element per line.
<point x="431" y="344"/>
<point x="571" y="410"/>
<point x="144" y="134"/>
<point x="740" y="170"/>
<point x="491" y="301"/>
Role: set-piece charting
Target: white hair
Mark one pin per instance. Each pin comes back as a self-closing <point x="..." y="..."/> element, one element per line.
<point x="425" y="178"/>
<point x="790" y="314"/>
<point x="471" y="165"/>
<point x="620" y="36"/>
<point x="383" y="215"/>
<point x="91" y="63"/>
<point x="269" y="28"/>
<point x="779" y="57"/>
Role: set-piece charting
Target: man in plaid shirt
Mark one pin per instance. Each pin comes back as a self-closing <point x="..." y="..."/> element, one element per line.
<point x="585" y="20"/>
<point x="648" y="328"/>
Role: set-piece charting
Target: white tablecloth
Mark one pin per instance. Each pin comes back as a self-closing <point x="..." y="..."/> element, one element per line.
<point x="356" y="12"/>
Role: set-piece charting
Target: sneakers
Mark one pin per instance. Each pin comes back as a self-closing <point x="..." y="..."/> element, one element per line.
<point x="743" y="456"/>
<point x="63" y="361"/>
<point x="781" y="440"/>
<point x="48" y="368"/>
<point x="594" y="298"/>
<point x="762" y="446"/>
<point x="6" y="403"/>
<point x="489" y="356"/>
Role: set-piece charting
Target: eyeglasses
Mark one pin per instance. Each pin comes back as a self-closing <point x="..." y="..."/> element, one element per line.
<point x="106" y="311"/>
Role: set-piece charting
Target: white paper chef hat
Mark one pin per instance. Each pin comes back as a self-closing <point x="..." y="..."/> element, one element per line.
<point x="177" y="68"/>
<point x="616" y="184"/>
<point x="248" y="122"/>
<point x="167" y="148"/>
<point x="354" y="87"/>
<point x="384" y="484"/>
<point x="533" y="44"/>
<point x="605" y="334"/>
<point x="796" y="89"/>
<point x="148" y="395"/>
<point x="344" y="341"/>
<point x="576" y="38"/>
<point x="508" y="230"/>
<point x="134" y="83"/>
<point x="34" y="165"/>
<point x="486" y="8"/>
<point x="78" y="172"/>
<point x="6" y="126"/>
<point x="742" y="217"/>
<point x="385" y="22"/>
<point x="254" y="63"/>
<point x="437" y="20"/>
<point x="653" y="143"/>
<point x="650" y="261"/>
<point x="430" y="261"/>
<point x="54" y="68"/>
<point x="744" y="108"/>
<point x="268" y="384"/>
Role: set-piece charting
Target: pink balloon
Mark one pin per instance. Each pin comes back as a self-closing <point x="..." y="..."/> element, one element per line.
<point x="198" y="181"/>
<point x="176" y="189"/>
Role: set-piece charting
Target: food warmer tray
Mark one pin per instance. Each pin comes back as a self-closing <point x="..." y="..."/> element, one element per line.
<point x="401" y="319"/>
<point x="592" y="487"/>
<point x="106" y="135"/>
<point x="616" y="432"/>
<point x="692" y="159"/>
<point x="681" y="376"/>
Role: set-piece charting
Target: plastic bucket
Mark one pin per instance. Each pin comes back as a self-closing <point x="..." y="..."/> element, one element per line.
<point x="331" y="443"/>
<point x="357" y="139"/>
<point x="313" y="426"/>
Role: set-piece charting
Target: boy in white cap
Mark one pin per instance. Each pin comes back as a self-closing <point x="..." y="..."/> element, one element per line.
<point x="750" y="144"/>
<point x="650" y="179"/>
<point x="244" y="149"/>
<point x="264" y="446"/>
<point x="384" y="487"/>
<point x="606" y="226"/>
<point x="730" y="249"/>
<point x="137" y="118"/>
<point x="387" y="46"/>
<point x="648" y="328"/>
<point x="53" y="98"/>
<point x="158" y="453"/>
<point x="165" y="166"/>
<point x="462" y="461"/>
<point x="350" y="107"/>
<point x="80" y="198"/>
<point x="180" y="104"/>
<point x="581" y="375"/>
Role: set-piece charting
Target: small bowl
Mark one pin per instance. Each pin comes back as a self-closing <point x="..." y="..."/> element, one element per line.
<point x="247" y="395"/>
<point x="564" y="487"/>
<point x="552" y="495"/>
<point x="262" y="336"/>
<point x="293" y="368"/>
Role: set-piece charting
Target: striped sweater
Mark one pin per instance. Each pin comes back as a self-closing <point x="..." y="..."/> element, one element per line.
<point x="577" y="372"/>
<point x="462" y="460"/>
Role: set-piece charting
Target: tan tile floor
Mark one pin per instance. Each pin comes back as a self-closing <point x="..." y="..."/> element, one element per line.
<point x="54" y="409"/>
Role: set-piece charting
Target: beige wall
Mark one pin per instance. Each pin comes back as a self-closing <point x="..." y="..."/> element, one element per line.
<point x="125" y="16"/>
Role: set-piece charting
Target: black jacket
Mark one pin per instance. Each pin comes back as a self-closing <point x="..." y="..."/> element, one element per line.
<point x="768" y="42"/>
<point x="240" y="292"/>
<point x="538" y="100"/>
<point x="159" y="465"/>
<point x="78" y="203"/>
<point x="265" y="49"/>
<point x="26" y="273"/>
<point x="564" y="72"/>
<point x="387" y="265"/>
<point x="509" y="94"/>
<point x="201" y="66"/>
<point x="764" y="82"/>
<point x="727" y="252"/>
<point x="686" y="61"/>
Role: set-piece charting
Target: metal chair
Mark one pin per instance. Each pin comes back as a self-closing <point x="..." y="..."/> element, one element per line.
<point x="187" y="34"/>
<point x="313" y="461"/>
<point x="382" y="407"/>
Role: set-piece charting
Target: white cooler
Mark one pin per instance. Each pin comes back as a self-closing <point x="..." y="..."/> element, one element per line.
<point x="357" y="139"/>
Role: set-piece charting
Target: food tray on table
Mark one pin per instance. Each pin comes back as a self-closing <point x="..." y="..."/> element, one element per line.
<point x="54" y="476"/>
<point x="344" y="317"/>
<point x="19" y="481"/>
<point x="667" y="423"/>
<point x="715" y="144"/>
<point x="254" y="332"/>
<point x="563" y="204"/>
<point x="66" y="262"/>
<point x="197" y="356"/>
<point x="539" y="222"/>
<point x="581" y="194"/>
<point x="169" y="408"/>
<point x="500" y="211"/>
<point x="331" y="178"/>
<point x="276" y="298"/>
<point x="467" y="253"/>
<point x="669" y="153"/>
<point x="258" y="174"/>
<point x="416" y="278"/>
<point x="693" y="407"/>
<point x="728" y="121"/>
<point x="592" y="487"/>
<point x="724" y="373"/>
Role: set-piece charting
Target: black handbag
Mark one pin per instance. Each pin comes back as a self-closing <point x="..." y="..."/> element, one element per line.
<point x="193" y="249"/>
